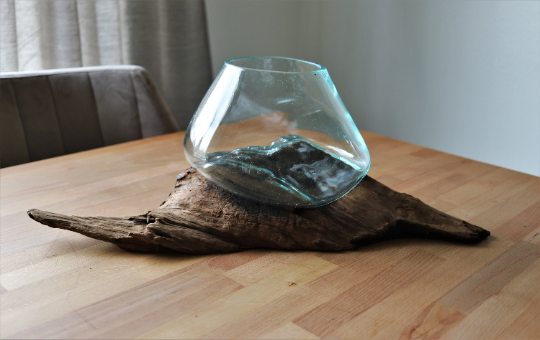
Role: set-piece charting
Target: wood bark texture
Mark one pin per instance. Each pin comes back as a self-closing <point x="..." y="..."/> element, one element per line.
<point x="201" y="218"/>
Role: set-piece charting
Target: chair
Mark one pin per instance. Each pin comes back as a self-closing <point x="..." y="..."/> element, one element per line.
<point x="49" y="113"/>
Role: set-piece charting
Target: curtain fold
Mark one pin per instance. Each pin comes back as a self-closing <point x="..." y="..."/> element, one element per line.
<point x="167" y="37"/>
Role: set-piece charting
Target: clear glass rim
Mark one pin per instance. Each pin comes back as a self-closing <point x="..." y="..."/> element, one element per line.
<point x="319" y="66"/>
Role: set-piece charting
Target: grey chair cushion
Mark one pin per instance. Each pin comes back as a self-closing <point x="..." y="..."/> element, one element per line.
<point x="50" y="113"/>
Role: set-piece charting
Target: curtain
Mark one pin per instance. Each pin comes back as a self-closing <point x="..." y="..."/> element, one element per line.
<point x="167" y="37"/>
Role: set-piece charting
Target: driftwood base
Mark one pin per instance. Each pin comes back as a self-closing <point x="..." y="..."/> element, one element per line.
<point x="200" y="218"/>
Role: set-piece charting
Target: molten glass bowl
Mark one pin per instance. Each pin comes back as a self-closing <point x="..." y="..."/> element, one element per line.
<point x="275" y="130"/>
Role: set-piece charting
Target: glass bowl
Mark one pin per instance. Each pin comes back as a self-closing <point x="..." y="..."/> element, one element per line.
<point x="274" y="130"/>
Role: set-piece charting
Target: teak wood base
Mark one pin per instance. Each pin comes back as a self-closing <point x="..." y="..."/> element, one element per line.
<point x="200" y="218"/>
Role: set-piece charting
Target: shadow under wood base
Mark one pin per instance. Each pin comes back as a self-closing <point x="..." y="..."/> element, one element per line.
<point x="200" y="218"/>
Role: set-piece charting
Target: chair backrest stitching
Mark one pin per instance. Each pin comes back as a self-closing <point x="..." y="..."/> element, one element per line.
<point x="56" y="114"/>
<point x="97" y="107"/>
<point x="136" y="102"/>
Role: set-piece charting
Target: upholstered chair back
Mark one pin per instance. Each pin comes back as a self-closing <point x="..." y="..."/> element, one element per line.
<point x="50" y="113"/>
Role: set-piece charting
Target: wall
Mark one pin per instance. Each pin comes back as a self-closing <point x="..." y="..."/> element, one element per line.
<point x="462" y="77"/>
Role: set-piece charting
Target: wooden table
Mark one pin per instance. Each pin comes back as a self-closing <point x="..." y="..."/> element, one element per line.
<point x="58" y="284"/>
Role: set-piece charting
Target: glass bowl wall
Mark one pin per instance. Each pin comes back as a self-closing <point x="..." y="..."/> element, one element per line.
<point x="275" y="130"/>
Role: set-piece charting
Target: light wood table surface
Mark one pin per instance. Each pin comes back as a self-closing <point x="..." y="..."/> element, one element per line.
<point x="58" y="284"/>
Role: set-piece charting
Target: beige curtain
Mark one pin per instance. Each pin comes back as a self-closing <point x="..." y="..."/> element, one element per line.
<point x="167" y="37"/>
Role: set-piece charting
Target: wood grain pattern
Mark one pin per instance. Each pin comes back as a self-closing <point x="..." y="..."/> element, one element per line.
<point x="58" y="284"/>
